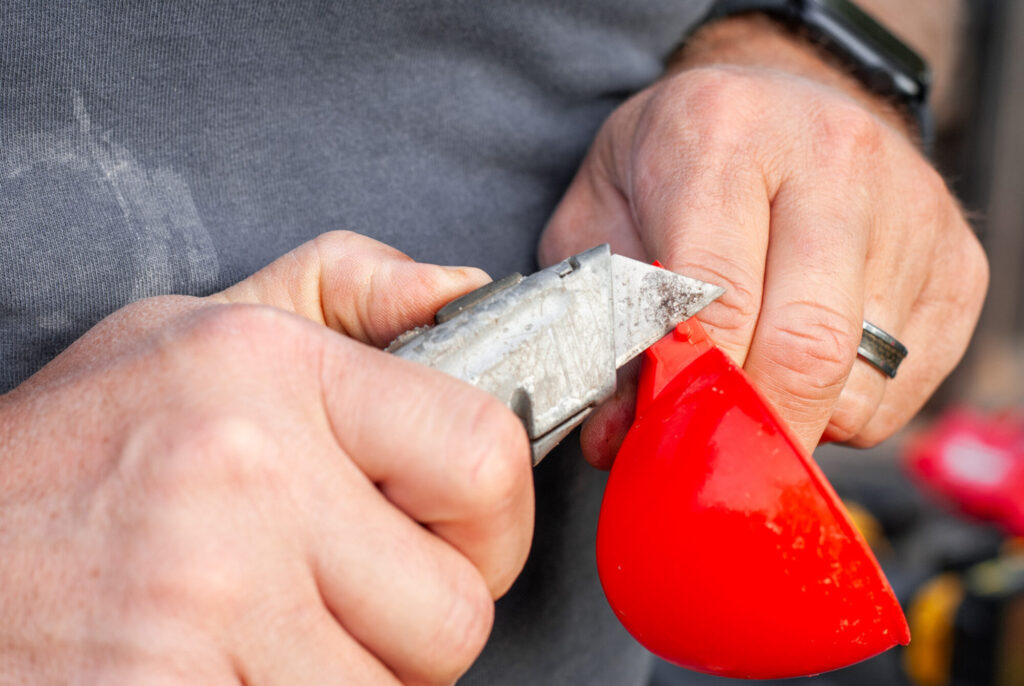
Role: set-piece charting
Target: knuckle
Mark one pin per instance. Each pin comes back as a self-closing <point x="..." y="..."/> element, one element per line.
<point x="359" y="272"/>
<point x="741" y="302"/>
<point x="875" y="431"/>
<point x="958" y="284"/>
<point x="355" y="251"/>
<point x="464" y="629"/>
<point x="707" y="111"/>
<point x="178" y="557"/>
<point x="976" y="275"/>
<point x="812" y="349"/>
<point x="845" y="134"/>
<point x="632" y="115"/>
<point x="495" y="461"/>
<point x="142" y="672"/>
<point x="232" y="454"/>
<point x="166" y="567"/>
<point x="338" y="239"/>
<point x="654" y="175"/>
<point x="718" y="102"/>
<point x="230" y="328"/>
<point x="869" y="437"/>
<point x="696" y="130"/>
<point x="209" y="589"/>
<point x="933" y="186"/>
<point x="655" y="169"/>
<point x="926" y="208"/>
<point x="171" y="558"/>
<point x="852" y="414"/>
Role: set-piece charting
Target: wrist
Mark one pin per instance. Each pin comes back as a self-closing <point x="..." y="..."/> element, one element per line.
<point x="758" y="41"/>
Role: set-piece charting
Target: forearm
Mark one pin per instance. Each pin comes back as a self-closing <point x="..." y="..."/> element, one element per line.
<point x="934" y="29"/>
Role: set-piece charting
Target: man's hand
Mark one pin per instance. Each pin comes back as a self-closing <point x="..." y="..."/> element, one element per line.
<point x="220" y="491"/>
<point x="804" y="196"/>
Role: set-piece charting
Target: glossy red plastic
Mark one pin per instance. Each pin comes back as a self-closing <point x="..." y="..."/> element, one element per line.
<point x="976" y="463"/>
<point x="721" y="546"/>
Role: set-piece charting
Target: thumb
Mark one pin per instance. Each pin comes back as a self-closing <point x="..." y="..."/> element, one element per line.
<point x="355" y="285"/>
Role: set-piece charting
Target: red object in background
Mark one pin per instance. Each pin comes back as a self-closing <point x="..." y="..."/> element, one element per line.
<point x="721" y="546"/>
<point x="975" y="462"/>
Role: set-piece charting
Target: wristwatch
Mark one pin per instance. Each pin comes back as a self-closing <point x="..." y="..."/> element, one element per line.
<point x="882" y="62"/>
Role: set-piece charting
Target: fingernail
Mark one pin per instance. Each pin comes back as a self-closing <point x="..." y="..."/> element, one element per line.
<point x="467" y="272"/>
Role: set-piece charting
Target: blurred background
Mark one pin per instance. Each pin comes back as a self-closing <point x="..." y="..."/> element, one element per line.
<point x="952" y="542"/>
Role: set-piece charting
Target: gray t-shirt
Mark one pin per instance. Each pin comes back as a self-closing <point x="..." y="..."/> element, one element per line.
<point x="176" y="147"/>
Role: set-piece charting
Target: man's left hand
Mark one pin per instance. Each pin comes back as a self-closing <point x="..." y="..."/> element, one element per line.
<point x="813" y="208"/>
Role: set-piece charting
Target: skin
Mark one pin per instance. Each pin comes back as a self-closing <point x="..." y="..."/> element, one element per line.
<point x="213" y="490"/>
<point x="756" y="164"/>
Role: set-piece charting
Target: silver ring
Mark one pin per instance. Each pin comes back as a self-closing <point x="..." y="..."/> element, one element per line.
<point x="880" y="350"/>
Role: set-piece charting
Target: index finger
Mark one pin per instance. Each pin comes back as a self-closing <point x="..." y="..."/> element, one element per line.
<point x="449" y="455"/>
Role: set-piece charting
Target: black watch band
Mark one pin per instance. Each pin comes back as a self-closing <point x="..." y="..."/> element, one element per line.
<point x="881" y="61"/>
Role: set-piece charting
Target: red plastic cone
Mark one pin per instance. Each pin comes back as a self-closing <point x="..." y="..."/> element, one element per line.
<point x="721" y="546"/>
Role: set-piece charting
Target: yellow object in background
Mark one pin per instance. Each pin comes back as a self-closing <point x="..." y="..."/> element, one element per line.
<point x="928" y="659"/>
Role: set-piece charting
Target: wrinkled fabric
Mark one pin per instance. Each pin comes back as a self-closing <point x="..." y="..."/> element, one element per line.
<point x="152" y="147"/>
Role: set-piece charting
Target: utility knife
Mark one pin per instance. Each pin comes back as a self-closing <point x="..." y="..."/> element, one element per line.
<point x="548" y="345"/>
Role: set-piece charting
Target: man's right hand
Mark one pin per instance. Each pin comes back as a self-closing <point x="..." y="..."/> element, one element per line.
<point x="221" y="491"/>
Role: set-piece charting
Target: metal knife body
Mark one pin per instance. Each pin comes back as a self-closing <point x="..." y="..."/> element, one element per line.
<point x="547" y="345"/>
